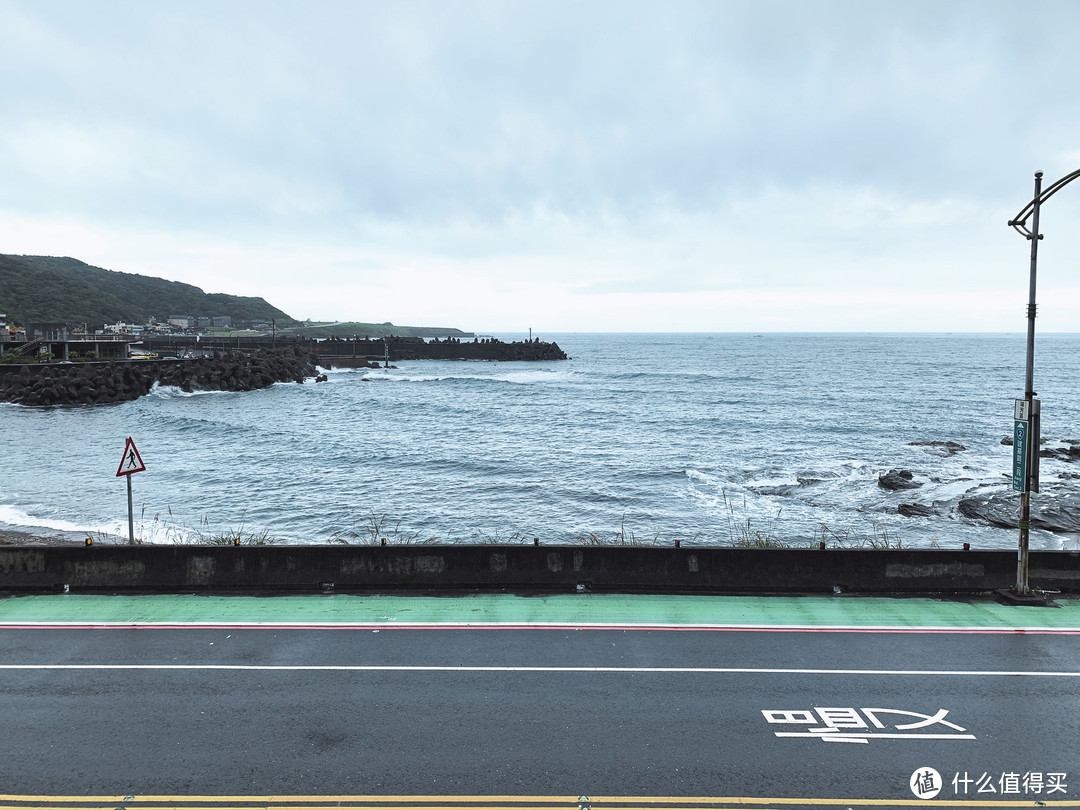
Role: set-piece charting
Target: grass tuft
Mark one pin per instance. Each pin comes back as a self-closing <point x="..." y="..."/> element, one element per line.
<point x="744" y="534"/>
<point x="378" y="531"/>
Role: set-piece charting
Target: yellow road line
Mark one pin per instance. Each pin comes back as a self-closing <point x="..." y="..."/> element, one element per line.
<point x="747" y="801"/>
<point x="336" y="802"/>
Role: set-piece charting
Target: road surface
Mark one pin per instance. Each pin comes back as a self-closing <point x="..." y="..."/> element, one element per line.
<point x="593" y="701"/>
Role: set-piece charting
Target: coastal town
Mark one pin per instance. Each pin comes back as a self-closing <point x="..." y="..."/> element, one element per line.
<point x="42" y="341"/>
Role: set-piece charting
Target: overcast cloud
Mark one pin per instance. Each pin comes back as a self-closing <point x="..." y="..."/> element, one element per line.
<point x="611" y="166"/>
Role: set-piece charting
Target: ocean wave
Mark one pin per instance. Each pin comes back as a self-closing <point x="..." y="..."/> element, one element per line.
<point x="511" y="377"/>
<point x="159" y="391"/>
<point x="152" y="530"/>
<point x="697" y="476"/>
<point x="16" y="517"/>
<point x="146" y="530"/>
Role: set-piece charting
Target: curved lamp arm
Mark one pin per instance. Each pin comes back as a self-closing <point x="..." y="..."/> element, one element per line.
<point x="1019" y="222"/>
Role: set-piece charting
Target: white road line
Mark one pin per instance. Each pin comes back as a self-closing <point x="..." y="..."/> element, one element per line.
<point x="541" y="625"/>
<point x="555" y="669"/>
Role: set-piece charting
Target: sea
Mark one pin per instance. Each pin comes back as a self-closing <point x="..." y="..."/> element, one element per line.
<point x="645" y="439"/>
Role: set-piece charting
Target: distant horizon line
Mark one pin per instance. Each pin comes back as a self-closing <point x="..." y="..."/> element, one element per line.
<point x="538" y="332"/>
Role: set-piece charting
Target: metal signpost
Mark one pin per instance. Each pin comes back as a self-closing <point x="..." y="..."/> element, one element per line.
<point x="1026" y="414"/>
<point x="130" y="463"/>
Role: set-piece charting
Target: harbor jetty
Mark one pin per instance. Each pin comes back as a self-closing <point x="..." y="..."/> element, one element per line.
<point x="95" y="383"/>
<point x="341" y="352"/>
<point x="235" y="364"/>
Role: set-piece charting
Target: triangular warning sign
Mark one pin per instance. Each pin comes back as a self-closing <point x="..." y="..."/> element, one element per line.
<point x="131" y="462"/>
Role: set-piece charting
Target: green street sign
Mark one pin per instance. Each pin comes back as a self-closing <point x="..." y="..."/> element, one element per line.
<point x="1020" y="453"/>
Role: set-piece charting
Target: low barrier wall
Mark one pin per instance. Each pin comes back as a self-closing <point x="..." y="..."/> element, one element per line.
<point x="523" y="568"/>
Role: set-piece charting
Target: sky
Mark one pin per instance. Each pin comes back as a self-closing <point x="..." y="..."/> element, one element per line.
<point x="562" y="166"/>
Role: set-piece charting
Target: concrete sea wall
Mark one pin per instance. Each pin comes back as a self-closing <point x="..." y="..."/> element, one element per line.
<point x="523" y="569"/>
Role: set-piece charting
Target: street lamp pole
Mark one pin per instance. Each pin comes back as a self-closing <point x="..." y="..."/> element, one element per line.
<point x="1022" y="559"/>
<point x="1027" y="425"/>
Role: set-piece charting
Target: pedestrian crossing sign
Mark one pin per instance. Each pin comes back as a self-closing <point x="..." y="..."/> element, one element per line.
<point x="131" y="462"/>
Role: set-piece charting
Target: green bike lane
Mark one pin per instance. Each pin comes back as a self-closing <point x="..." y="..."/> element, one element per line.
<point x="981" y="614"/>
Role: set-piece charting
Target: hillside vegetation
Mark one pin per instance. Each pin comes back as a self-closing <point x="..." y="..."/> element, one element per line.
<point x="63" y="290"/>
<point x="350" y="329"/>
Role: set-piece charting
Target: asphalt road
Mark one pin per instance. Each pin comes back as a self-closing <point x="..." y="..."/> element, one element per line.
<point x="816" y="715"/>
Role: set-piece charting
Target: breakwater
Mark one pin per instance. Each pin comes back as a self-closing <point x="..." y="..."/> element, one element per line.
<point x="238" y="365"/>
<point x="454" y="349"/>
<point x="525" y="568"/>
<point x="121" y="381"/>
<point x="374" y="349"/>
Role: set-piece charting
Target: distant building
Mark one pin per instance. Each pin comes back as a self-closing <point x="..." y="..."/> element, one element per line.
<point x="121" y="328"/>
<point x="182" y="321"/>
<point x="207" y="322"/>
<point x="46" y="331"/>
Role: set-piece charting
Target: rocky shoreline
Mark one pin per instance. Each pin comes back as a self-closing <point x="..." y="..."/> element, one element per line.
<point x="1057" y="511"/>
<point x="122" y="381"/>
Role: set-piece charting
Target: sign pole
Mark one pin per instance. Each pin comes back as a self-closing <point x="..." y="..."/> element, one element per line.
<point x="131" y="515"/>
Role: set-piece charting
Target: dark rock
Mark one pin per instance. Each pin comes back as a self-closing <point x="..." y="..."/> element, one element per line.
<point x="1060" y="513"/>
<point x="938" y="448"/>
<point x="914" y="510"/>
<point x="1007" y="441"/>
<point x="779" y="491"/>
<point x="999" y="511"/>
<point x="1069" y="454"/>
<point x="898" y="479"/>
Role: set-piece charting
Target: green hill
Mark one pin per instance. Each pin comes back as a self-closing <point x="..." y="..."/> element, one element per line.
<point x="376" y="330"/>
<point x="63" y="290"/>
